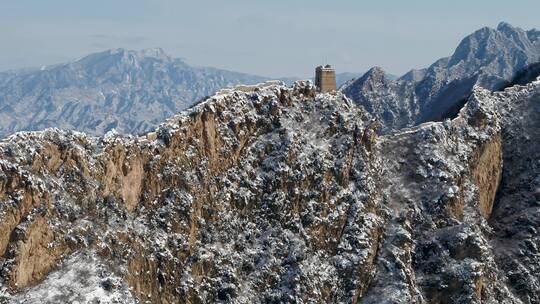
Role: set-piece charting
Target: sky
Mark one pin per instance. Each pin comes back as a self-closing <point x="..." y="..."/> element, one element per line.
<point x="274" y="38"/>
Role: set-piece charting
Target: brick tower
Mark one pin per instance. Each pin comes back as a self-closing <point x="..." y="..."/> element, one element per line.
<point x="325" y="78"/>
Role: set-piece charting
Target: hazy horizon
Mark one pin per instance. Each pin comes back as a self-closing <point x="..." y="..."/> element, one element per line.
<point x="274" y="39"/>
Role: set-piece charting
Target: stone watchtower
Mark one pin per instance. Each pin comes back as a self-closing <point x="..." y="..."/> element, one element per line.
<point x="325" y="78"/>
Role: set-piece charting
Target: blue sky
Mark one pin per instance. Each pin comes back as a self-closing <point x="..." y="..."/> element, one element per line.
<point x="271" y="38"/>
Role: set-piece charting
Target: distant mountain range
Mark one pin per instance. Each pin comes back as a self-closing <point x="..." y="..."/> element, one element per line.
<point x="490" y="58"/>
<point x="130" y="91"/>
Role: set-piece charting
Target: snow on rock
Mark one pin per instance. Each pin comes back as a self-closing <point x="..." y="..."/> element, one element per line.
<point x="242" y="197"/>
<point x="450" y="238"/>
<point x="82" y="278"/>
<point x="276" y="194"/>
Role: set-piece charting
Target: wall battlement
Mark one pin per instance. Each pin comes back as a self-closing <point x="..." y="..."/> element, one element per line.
<point x="325" y="78"/>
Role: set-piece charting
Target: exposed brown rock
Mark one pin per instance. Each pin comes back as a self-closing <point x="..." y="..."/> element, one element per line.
<point x="36" y="250"/>
<point x="487" y="173"/>
<point x="265" y="194"/>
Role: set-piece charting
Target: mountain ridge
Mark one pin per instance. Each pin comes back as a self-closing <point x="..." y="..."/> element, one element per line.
<point x="488" y="57"/>
<point x="130" y="91"/>
<point x="287" y="196"/>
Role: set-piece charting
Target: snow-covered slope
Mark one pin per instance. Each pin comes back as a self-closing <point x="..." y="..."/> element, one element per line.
<point x="81" y="278"/>
<point x="257" y="194"/>
<point x="489" y="58"/>
<point x="275" y="194"/>
<point x="131" y="91"/>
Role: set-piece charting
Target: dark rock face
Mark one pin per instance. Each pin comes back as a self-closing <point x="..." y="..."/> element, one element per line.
<point x="489" y="58"/>
<point x="275" y="194"/>
<point x="516" y="215"/>
<point x="130" y="91"/>
<point x="476" y="243"/>
<point x="527" y="75"/>
<point x="435" y="249"/>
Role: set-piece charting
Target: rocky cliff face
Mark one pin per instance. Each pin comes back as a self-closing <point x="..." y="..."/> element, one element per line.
<point x="245" y="195"/>
<point x="463" y="229"/>
<point x="277" y="194"/>
<point x="489" y="58"/>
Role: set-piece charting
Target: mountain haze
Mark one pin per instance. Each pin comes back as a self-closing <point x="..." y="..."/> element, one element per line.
<point x="130" y="91"/>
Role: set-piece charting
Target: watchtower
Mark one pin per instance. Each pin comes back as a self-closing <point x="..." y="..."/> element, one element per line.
<point x="325" y="78"/>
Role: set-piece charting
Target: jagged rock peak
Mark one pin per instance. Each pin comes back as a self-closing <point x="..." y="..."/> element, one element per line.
<point x="375" y="73"/>
<point x="509" y="30"/>
<point x="153" y="53"/>
<point x="487" y="43"/>
<point x="157" y="53"/>
<point x="505" y="26"/>
<point x="374" y="77"/>
<point x="488" y="57"/>
<point x="120" y="56"/>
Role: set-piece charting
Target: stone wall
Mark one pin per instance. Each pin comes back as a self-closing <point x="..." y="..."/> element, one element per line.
<point x="325" y="79"/>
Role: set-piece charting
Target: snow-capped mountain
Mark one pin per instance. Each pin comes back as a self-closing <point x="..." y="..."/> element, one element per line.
<point x="489" y="58"/>
<point x="130" y="91"/>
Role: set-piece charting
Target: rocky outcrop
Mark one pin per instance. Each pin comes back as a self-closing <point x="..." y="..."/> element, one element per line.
<point x="441" y="179"/>
<point x="35" y="249"/>
<point x="390" y="101"/>
<point x="460" y="233"/>
<point x="515" y="217"/>
<point x="277" y="194"/>
<point x="246" y="194"/>
<point x="487" y="172"/>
